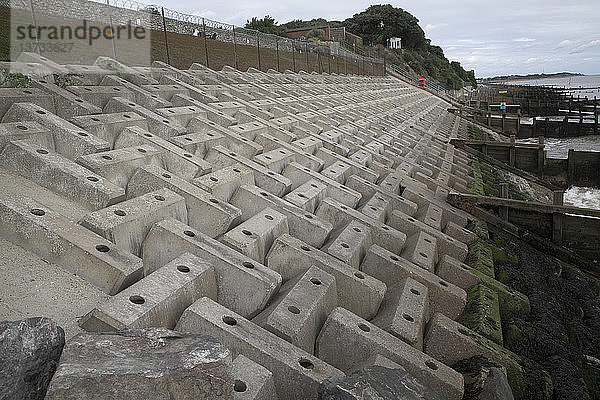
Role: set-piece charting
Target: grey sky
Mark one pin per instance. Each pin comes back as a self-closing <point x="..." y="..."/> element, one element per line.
<point x="492" y="37"/>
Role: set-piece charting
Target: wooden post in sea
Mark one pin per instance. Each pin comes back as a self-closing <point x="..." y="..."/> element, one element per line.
<point x="512" y="150"/>
<point x="595" y="117"/>
<point x="518" y="121"/>
<point x="557" y="218"/>
<point x="540" y="156"/>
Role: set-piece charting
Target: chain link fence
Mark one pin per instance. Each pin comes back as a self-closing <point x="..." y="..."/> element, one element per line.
<point x="176" y="38"/>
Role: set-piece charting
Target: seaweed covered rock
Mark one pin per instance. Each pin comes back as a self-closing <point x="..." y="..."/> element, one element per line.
<point x="29" y="353"/>
<point x="143" y="364"/>
<point x="484" y="379"/>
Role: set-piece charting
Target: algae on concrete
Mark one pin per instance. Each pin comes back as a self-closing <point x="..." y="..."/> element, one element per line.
<point x="482" y="313"/>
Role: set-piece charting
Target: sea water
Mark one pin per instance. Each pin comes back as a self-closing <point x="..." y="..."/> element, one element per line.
<point x="578" y="85"/>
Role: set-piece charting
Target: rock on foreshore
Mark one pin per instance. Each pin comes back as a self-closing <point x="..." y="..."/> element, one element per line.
<point x="29" y="353"/>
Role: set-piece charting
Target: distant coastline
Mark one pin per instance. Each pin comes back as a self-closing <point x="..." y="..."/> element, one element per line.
<point x="527" y="77"/>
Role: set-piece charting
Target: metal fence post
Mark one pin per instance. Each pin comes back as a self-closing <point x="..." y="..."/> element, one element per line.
<point x="345" y="67"/>
<point x="319" y="70"/>
<point x="329" y="63"/>
<point x="235" y="60"/>
<point x="37" y="39"/>
<point x="307" y="66"/>
<point x="258" y="48"/>
<point x="162" y="10"/>
<point x="205" y="43"/>
<point x="294" y="54"/>
<point x="112" y="33"/>
<point x="277" y="50"/>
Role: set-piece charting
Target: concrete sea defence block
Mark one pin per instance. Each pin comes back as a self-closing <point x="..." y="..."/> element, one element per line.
<point x="255" y="236"/>
<point x="329" y="157"/>
<point x="243" y="285"/>
<point x="199" y="142"/>
<point x="444" y="297"/>
<point x="252" y="381"/>
<point x="405" y="311"/>
<point x="59" y="174"/>
<point x="118" y="166"/>
<point x="233" y="141"/>
<point x="26" y="57"/>
<point x="10" y="96"/>
<point x="299" y="175"/>
<point x="69" y="140"/>
<point x="175" y="159"/>
<point x="126" y="224"/>
<point x="10" y="131"/>
<point x="300" y="308"/>
<point x="377" y="208"/>
<point x="158" y="300"/>
<point x="339" y="215"/>
<point x="275" y="160"/>
<point x="421" y="249"/>
<point x="124" y="71"/>
<point x="205" y="213"/>
<point x="66" y="104"/>
<point x="338" y="171"/>
<point x="143" y="98"/>
<point x="307" y="196"/>
<point x="357" y="291"/>
<point x="100" y="95"/>
<point x="296" y="373"/>
<point x="266" y="179"/>
<point x="362" y="339"/>
<point x="455" y="272"/>
<point x="56" y="239"/>
<point x="109" y="126"/>
<point x="157" y="124"/>
<point x="223" y="183"/>
<point x="303" y="225"/>
<point x="482" y="313"/>
<point x="445" y="244"/>
<point x="181" y="115"/>
<point x="351" y="245"/>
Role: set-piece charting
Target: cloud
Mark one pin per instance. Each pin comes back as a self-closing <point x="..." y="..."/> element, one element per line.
<point x="564" y="43"/>
<point x="430" y="27"/>
<point x="523" y="39"/>
<point x="585" y="46"/>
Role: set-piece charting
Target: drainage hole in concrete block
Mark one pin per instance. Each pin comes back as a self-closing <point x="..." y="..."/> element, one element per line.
<point x="271" y="173"/>
<point x="107" y="157"/>
<point x="42" y="151"/>
<point x="264" y="194"/>
<point x="40" y="112"/>
<point x="356" y="229"/>
<point x="246" y="232"/>
<point x="22" y="127"/>
<point x="301" y="195"/>
<point x="141" y="150"/>
<point x="415" y="291"/>
<point x="313" y="185"/>
<point x="27" y="92"/>
<point x="373" y="208"/>
<point x="171" y="111"/>
<point x="423" y="255"/>
<point x="364" y="328"/>
<point x="120" y="213"/>
<point x="236" y="170"/>
<point x="344" y="208"/>
<point x="38" y="212"/>
<point x="126" y="116"/>
<point x="95" y="119"/>
<point x="132" y="104"/>
<point x="92" y="179"/>
<point x="293" y="310"/>
<point x="166" y="176"/>
<point x="189" y="233"/>
<point x="188" y="155"/>
<point x="305" y="363"/>
<point x="248" y="265"/>
<point x="79" y="100"/>
<point x="305" y="248"/>
<point x="345" y="245"/>
<point x="431" y="365"/>
<point x="159" y="197"/>
<point x="443" y="283"/>
<point x="309" y="216"/>
<point x="270" y="218"/>
<point x="394" y="258"/>
<point x="408" y="318"/>
<point x="102" y="248"/>
<point x="239" y="386"/>
<point x="411" y="219"/>
<point x="212" y="178"/>
<point x="137" y="299"/>
<point x="307" y="169"/>
<point x="147" y="135"/>
<point x="427" y="240"/>
<point x="166" y="121"/>
<point x="229" y="320"/>
<point x="183" y="268"/>
<point x="359" y="275"/>
<point x="315" y="281"/>
<point x="268" y="157"/>
<point x="385" y="228"/>
<point x="332" y="171"/>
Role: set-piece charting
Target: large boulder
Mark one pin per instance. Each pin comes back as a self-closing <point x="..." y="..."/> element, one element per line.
<point x="143" y="364"/>
<point x="375" y="382"/>
<point x="29" y="353"/>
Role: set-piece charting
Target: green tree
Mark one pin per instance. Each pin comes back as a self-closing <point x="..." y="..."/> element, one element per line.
<point x="265" y="25"/>
<point x="380" y="22"/>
